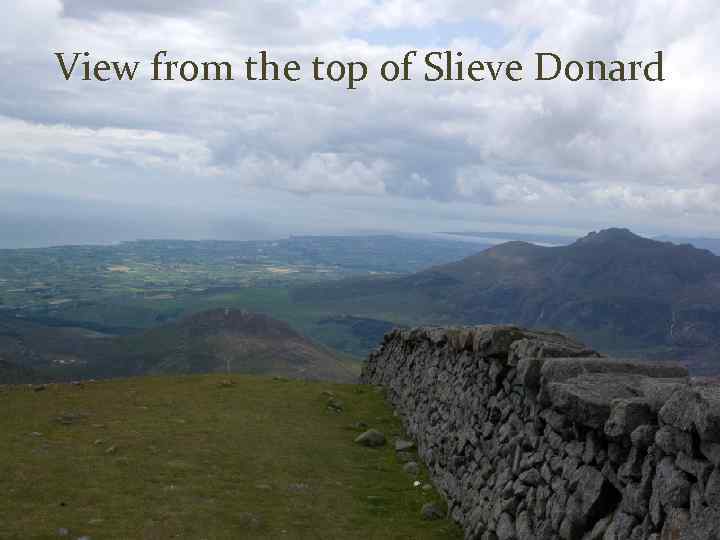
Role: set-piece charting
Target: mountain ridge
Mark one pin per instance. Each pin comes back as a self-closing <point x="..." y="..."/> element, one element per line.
<point x="613" y="289"/>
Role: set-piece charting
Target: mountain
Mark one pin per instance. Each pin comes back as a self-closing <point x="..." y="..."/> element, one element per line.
<point x="227" y="340"/>
<point x="711" y="244"/>
<point x="614" y="289"/>
<point x="216" y="341"/>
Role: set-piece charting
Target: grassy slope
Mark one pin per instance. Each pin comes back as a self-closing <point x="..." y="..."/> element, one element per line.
<point x="196" y="460"/>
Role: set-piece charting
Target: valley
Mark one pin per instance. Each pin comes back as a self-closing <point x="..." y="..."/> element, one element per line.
<point x="142" y="307"/>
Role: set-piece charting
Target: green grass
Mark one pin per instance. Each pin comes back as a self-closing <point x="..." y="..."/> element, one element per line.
<point x="186" y="457"/>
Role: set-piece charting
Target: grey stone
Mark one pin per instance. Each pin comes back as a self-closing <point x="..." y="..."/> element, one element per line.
<point x="703" y="526"/>
<point x="628" y="414"/>
<point x="676" y="521"/>
<point x="643" y="436"/>
<point x="620" y="527"/>
<point x="563" y="369"/>
<point x="403" y="446"/>
<point x="586" y="399"/>
<point x="671" y="440"/>
<point x="529" y="372"/>
<point x="530" y="477"/>
<point x="431" y="511"/>
<point x="371" y="438"/>
<point x="695" y="407"/>
<point x="712" y="489"/>
<point x="523" y="527"/>
<point x="505" y="529"/>
<point x="711" y="451"/>
<point x="671" y="485"/>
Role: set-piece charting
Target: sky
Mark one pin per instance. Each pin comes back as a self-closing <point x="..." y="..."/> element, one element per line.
<point x="101" y="162"/>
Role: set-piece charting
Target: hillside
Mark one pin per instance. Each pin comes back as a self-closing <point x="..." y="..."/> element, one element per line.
<point x="204" y="457"/>
<point x="614" y="289"/>
<point x="220" y="340"/>
<point x="226" y="340"/>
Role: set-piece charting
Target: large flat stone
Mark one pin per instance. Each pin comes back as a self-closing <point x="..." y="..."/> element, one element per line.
<point x="562" y="369"/>
<point x="587" y="399"/>
<point x="695" y="407"/>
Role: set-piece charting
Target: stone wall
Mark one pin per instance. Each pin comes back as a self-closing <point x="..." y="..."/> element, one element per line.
<point x="531" y="435"/>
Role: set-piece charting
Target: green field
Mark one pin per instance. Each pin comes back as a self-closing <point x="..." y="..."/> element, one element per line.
<point x="133" y="286"/>
<point x="195" y="457"/>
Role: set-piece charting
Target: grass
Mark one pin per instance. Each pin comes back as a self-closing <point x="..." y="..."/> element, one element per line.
<point x="190" y="457"/>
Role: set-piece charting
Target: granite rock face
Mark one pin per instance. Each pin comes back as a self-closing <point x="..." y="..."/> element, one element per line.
<point x="532" y="435"/>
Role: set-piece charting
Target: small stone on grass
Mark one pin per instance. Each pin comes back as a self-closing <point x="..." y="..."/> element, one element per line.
<point x="431" y="512"/>
<point x="371" y="438"/>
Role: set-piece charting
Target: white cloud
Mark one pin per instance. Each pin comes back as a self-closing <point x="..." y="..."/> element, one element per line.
<point x="617" y="150"/>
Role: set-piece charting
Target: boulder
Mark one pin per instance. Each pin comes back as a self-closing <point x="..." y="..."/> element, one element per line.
<point x="562" y="369"/>
<point x="371" y="438"/>
<point x="587" y="399"/>
<point x="403" y="446"/>
<point x="628" y="414"/>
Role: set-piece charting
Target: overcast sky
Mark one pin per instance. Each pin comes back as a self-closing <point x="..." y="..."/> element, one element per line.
<point x="88" y="161"/>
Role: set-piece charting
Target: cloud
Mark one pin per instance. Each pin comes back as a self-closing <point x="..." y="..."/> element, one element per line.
<point x="621" y="151"/>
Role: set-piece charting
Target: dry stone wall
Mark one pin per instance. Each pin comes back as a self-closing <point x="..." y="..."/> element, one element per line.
<point x="530" y="435"/>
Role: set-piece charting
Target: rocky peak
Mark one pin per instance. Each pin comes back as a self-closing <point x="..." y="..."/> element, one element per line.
<point x="612" y="235"/>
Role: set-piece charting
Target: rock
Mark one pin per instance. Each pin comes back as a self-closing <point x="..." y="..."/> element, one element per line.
<point x="335" y="405"/>
<point x="529" y="372"/>
<point x="523" y="526"/>
<point x="530" y="477"/>
<point x="431" y="511"/>
<point x="593" y="499"/>
<point x="643" y="436"/>
<point x="711" y="451"/>
<point x="586" y="399"/>
<point x="620" y="527"/>
<point x="703" y="526"/>
<point x="628" y="414"/>
<point x="676" y="521"/>
<point x="371" y="438"/>
<point x="403" y="446"/>
<point x="531" y="439"/>
<point x="712" y="489"/>
<point x="63" y="532"/>
<point x="673" y="441"/>
<point x="412" y="468"/>
<point x="563" y="369"/>
<point x="671" y="485"/>
<point x="695" y="407"/>
<point x="505" y="529"/>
